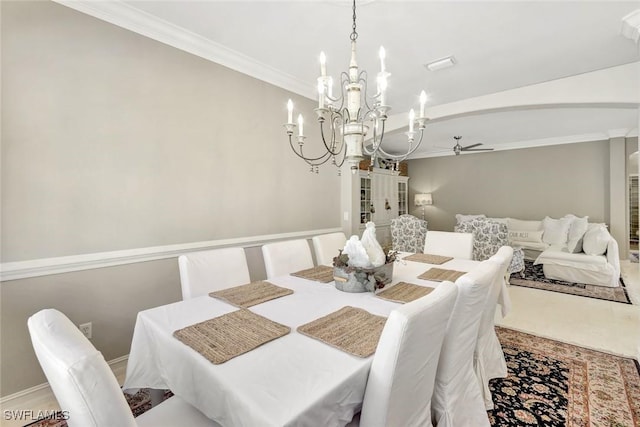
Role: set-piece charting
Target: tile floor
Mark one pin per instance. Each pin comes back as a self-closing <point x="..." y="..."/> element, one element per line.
<point x="596" y="324"/>
<point x="601" y="325"/>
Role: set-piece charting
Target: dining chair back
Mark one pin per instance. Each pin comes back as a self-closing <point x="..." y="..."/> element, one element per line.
<point x="408" y="233"/>
<point x="489" y="361"/>
<point x="457" y="400"/>
<point x="445" y="243"/>
<point x="85" y="386"/>
<point x="286" y="257"/>
<point x="207" y="271"/>
<point x="402" y="375"/>
<point x="327" y="247"/>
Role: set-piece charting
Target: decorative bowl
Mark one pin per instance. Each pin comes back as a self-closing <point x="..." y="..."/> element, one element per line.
<point x="355" y="279"/>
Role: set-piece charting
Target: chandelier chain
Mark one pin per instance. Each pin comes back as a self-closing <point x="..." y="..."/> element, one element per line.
<point x="354" y="34"/>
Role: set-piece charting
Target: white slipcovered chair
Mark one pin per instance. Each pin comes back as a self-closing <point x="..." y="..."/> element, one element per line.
<point x="404" y="366"/>
<point x="408" y="233"/>
<point x="207" y="271"/>
<point x="446" y="243"/>
<point x="457" y="399"/>
<point x="286" y="257"/>
<point x="327" y="246"/>
<point x="489" y="359"/>
<point x="85" y="386"/>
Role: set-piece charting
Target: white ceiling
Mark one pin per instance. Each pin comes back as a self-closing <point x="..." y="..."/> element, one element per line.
<point x="497" y="46"/>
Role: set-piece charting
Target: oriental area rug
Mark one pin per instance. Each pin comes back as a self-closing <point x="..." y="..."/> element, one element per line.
<point x="534" y="278"/>
<point x="549" y="384"/>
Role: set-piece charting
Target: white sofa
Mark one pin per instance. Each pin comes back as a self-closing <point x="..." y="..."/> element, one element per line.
<point x="569" y="248"/>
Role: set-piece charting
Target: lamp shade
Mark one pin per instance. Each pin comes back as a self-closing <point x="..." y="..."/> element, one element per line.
<point x="423" y="199"/>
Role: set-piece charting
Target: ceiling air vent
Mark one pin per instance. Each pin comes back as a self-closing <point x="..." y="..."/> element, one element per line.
<point x="440" y="64"/>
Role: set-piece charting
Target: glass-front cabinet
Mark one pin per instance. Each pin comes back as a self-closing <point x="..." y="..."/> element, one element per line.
<point x="383" y="196"/>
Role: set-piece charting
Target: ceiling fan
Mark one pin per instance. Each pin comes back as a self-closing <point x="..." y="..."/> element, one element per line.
<point x="459" y="148"/>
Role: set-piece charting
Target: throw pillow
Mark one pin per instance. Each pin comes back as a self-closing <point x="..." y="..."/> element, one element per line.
<point x="596" y="240"/>
<point x="460" y="218"/>
<point x="556" y="231"/>
<point x="576" y="233"/>
<point x="525" y="236"/>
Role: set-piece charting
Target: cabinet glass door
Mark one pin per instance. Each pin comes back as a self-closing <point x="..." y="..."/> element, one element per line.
<point x="402" y="198"/>
<point x="634" y="236"/>
<point x="365" y="200"/>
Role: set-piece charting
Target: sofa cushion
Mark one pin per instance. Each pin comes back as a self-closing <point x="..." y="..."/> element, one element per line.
<point x="577" y="230"/>
<point x="518" y="224"/>
<point x="525" y="236"/>
<point x="460" y="218"/>
<point x="536" y="246"/>
<point x="561" y="256"/>
<point x="596" y="240"/>
<point x="556" y="231"/>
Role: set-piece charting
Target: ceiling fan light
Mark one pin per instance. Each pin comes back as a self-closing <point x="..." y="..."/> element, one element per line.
<point x="441" y="64"/>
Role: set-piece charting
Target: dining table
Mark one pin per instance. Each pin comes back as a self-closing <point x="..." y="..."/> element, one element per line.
<point x="293" y="380"/>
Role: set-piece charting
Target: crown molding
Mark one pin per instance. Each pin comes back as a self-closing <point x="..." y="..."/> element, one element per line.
<point x="128" y="17"/>
<point x="631" y="26"/>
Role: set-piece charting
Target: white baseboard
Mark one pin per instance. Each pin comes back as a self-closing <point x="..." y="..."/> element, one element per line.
<point x="40" y="397"/>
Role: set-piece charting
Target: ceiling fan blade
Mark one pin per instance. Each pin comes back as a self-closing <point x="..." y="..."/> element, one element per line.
<point x="477" y="149"/>
<point x="471" y="146"/>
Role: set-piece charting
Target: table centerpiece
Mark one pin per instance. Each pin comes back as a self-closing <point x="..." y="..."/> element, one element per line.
<point x="363" y="266"/>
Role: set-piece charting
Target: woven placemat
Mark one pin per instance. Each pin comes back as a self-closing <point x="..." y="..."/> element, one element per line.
<point x="321" y="273"/>
<point x="440" y="274"/>
<point x="352" y="330"/>
<point x="251" y="294"/>
<point x="428" y="258"/>
<point x="230" y="335"/>
<point x="404" y="292"/>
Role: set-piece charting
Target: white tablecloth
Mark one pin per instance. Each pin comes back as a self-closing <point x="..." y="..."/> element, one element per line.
<point x="293" y="380"/>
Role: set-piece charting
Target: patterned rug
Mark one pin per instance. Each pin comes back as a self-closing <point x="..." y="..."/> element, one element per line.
<point x="556" y="384"/>
<point x="534" y="278"/>
<point x="549" y="384"/>
<point x="139" y="404"/>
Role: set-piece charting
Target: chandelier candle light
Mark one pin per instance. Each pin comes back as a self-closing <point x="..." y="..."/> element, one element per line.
<point x="348" y="124"/>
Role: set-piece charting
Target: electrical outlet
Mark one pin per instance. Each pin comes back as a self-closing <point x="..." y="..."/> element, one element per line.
<point x="85" y="328"/>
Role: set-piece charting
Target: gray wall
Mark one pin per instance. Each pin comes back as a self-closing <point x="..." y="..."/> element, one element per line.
<point x="527" y="183"/>
<point x="113" y="141"/>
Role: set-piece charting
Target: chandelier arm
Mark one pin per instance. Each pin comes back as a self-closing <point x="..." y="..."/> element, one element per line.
<point x="333" y="140"/>
<point x="375" y="145"/>
<point x="402" y="157"/>
<point x="302" y="156"/>
<point x="362" y="78"/>
<point x="343" y="77"/>
<point x="372" y="115"/>
<point x="344" y="157"/>
<point x="319" y="161"/>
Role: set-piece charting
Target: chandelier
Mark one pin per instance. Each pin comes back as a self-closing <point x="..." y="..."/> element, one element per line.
<point x="346" y="119"/>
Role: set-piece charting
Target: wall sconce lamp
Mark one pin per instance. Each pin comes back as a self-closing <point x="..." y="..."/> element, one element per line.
<point x="423" y="200"/>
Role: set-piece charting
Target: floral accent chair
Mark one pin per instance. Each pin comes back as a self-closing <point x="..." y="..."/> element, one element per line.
<point x="488" y="237"/>
<point x="408" y="233"/>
